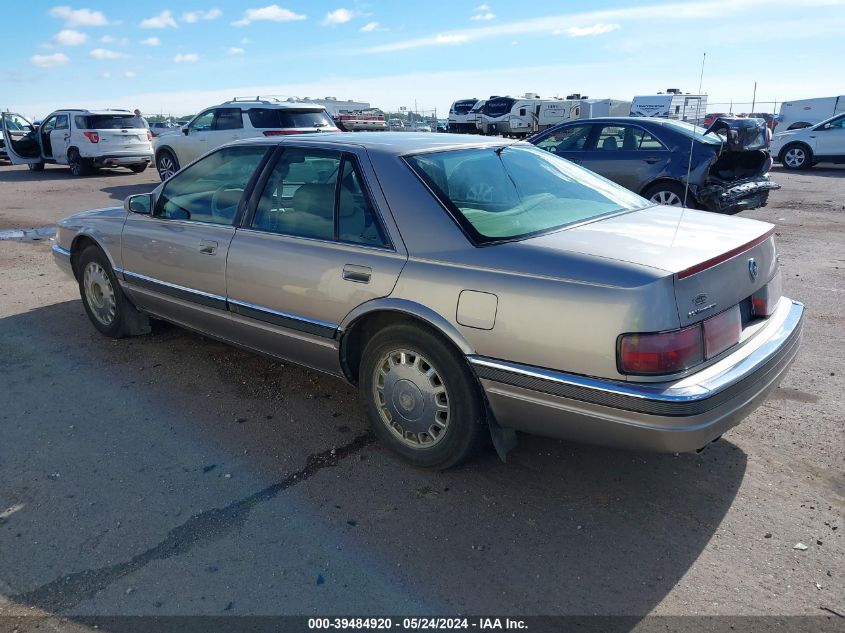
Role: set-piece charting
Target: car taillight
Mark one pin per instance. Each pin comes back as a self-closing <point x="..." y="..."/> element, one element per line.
<point x="94" y="137"/>
<point x="663" y="353"/>
<point x="282" y="132"/>
<point x="666" y="353"/>
<point x="722" y="331"/>
<point x="765" y="300"/>
<point x="149" y="135"/>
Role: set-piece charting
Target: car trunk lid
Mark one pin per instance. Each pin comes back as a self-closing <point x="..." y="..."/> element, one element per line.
<point x="709" y="255"/>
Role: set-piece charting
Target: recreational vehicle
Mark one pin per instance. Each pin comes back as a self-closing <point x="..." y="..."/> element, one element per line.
<point x="521" y="116"/>
<point x="459" y="116"/>
<point x="673" y="104"/>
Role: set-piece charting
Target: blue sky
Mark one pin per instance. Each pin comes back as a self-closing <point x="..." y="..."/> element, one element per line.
<point x="176" y="57"/>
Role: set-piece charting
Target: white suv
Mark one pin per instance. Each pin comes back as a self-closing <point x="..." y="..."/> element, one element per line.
<point x="81" y="139"/>
<point x="803" y="148"/>
<point x="232" y="121"/>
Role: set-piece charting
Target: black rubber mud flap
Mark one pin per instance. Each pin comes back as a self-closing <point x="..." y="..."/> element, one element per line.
<point x="504" y="439"/>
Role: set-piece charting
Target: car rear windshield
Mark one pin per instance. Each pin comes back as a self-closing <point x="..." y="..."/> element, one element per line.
<point x="274" y="118"/>
<point x="107" y="122"/>
<point x="507" y="193"/>
<point x="688" y="129"/>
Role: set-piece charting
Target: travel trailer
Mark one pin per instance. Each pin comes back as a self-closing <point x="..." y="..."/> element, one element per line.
<point x="673" y="104"/>
<point x="521" y="116"/>
<point x="460" y="114"/>
<point x="807" y="112"/>
<point x="591" y="108"/>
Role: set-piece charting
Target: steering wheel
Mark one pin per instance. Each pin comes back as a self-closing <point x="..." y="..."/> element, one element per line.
<point x="222" y="204"/>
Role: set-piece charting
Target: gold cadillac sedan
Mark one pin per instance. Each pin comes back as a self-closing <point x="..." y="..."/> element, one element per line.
<point x="469" y="288"/>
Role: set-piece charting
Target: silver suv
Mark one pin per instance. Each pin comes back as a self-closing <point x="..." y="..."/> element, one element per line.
<point x="234" y="120"/>
<point x="81" y="139"/>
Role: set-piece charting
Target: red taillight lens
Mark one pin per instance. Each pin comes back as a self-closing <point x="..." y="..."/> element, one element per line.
<point x="665" y="353"/>
<point x="94" y="137"/>
<point x="149" y="135"/>
<point x="765" y="301"/>
<point x="282" y="132"/>
<point x="722" y="331"/>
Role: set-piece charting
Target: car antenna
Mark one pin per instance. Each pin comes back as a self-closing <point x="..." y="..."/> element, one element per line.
<point x="691" y="146"/>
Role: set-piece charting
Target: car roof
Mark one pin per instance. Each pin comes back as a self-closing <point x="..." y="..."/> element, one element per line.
<point x="391" y="143"/>
<point x="86" y="112"/>
<point x="244" y="104"/>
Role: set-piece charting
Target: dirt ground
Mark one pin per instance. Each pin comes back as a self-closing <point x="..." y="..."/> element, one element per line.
<point x="171" y="474"/>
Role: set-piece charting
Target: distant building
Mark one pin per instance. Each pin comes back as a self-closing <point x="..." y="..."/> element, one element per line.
<point x="333" y="105"/>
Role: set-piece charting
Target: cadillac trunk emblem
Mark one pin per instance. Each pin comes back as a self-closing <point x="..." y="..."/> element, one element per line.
<point x="752" y="268"/>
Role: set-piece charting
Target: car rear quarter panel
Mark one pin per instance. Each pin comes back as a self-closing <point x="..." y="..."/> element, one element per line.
<point x="554" y="309"/>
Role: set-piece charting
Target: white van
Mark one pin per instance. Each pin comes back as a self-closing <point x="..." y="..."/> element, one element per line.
<point x="803" y="113"/>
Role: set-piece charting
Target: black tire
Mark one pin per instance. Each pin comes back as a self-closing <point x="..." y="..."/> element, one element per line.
<point x="126" y="320"/>
<point x="137" y="169"/>
<point x="78" y="166"/>
<point x="667" y="193"/>
<point x="35" y="166"/>
<point x="166" y="163"/>
<point x="796" y="156"/>
<point x="465" y="431"/>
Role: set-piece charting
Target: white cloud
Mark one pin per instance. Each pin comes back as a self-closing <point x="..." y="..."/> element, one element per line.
<point x="595" y="29"/>
<point x="151" y="41"/>
<point x="453" y="38"/>
<point x="186" y="58"/>
<point x="49" y="61"/>
<point x="338" y="16"/>
<point x="246" y="40"/>
<point x="483" y="17"/>
<point x="234" y="50"/>
<point x="69" y="37"/>
<point x="369" y="27"/>
<point x="105" y="53"/>
<point x="129" y="74"/>
<point x="271" y="13"/>
<point x="78" y="17"/>
<point x="161" y="21"/>
<point x="105" y="75"/>
<point x="481" y="7"/>
<point x="192" y="17"/>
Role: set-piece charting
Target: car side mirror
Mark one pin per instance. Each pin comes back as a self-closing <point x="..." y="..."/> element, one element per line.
<point x="141" y="203"/>
<point x="185" y="130"/>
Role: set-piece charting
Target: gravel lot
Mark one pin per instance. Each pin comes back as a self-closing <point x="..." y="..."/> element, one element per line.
<point x="171" y="474"/>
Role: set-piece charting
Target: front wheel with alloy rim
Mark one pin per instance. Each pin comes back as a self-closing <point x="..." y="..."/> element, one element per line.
<point x="421" y="397"/>
<point x="667" y="193"/>
<point x="78" y="166"/>
<point x="796" y="156"/>
<point x="106" y="305"/>
<point x="167" y="164"/>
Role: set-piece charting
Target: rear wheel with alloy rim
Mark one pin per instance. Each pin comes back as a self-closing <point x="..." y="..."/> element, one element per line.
<point x="78" y="166"/>
<point x="421" y="397"/>
<point x="796" y="156"/>
<point x="667" y="193"/>
<point x="167" y="164"/>
<point x="106" y="305"/>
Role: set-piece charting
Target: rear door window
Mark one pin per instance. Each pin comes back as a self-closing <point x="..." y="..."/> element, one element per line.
<point x="281" y="118"/>
<point x="228" y="119"/>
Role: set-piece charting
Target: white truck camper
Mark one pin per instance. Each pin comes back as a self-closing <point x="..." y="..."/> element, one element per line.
<point x="806" y="112"/>
<point x="673" y="104"/>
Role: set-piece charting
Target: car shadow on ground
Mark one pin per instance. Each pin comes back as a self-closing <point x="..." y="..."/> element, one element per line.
<point x="121" y="192"/>
<point x="822" y="171"/>
<point x="56" y="172"/>
<point x="144" y="431"/>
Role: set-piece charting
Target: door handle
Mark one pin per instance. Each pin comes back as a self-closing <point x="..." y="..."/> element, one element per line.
<point x="208" y="247"/>
<point x="358" y="274"/>
<point x="651" y="160"/>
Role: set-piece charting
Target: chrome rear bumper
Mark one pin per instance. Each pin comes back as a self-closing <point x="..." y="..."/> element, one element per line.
<point x="680" y="416"/>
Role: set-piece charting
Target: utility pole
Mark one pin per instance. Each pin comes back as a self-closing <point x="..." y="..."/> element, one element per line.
<point x="754" y="98"/>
